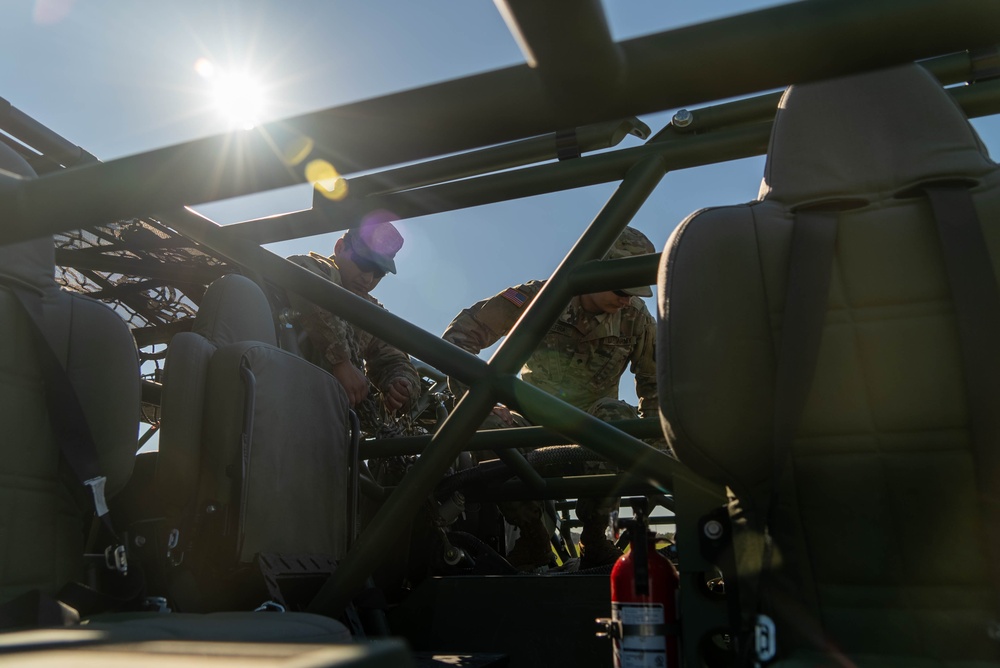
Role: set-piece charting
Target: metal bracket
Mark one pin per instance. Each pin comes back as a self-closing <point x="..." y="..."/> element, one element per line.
<point x="116" y="559"/>
<point x="96" y="486"/>
<point x="567" y="146"/>
<point x="173" y="540"/>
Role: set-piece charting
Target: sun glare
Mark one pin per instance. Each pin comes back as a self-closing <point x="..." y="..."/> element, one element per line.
<point x="236" y="96"/>
<point x="326" y="180"/>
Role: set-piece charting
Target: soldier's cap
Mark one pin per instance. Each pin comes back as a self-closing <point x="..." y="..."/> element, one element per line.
<point x="377" y="240"/>
<point x="632" y="242"/>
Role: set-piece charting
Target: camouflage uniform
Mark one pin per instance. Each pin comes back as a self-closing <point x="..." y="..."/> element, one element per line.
<point x="582" y="357"/>
<point x="581" y="360"/>
<point x="332" y="340"/>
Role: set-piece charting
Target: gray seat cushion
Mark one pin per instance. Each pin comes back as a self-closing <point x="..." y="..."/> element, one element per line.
<point x="878" y="539"/>
<point x="253" y="451"/>
<point x="44" y="512"/>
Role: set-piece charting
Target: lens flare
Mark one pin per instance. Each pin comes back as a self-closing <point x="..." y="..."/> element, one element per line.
<point x="326" y="180"/>
<point x="48" y="12"/>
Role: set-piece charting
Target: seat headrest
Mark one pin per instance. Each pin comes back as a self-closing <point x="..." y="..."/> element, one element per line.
<point x="235" y="309"/>
<point x="30" y="263"/>
<point x="877" y="133"/>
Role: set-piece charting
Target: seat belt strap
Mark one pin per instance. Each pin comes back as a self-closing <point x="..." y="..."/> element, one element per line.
<point x="814" y="237"/>
<point x="77" y="447"/>
<point x="68" y="421"/>
<point x="977" y="310"/>
<point x="810" y="266"/>
<point x="976" y="298"/>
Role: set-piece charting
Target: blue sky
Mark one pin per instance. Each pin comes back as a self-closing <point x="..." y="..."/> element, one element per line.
<point x="119" y="78"/>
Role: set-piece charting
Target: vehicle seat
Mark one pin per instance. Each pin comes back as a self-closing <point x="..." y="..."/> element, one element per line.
<point x="45" y="514"/>
<point x="878" y="540"/>
<point x="253" y="452"/>
<point x="44" y="510"/>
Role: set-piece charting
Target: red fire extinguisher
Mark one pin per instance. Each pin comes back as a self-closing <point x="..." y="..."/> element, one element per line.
<point x="644" y="604"/>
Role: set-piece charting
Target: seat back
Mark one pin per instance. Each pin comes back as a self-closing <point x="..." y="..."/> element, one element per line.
<point x="253" y="445"/>
<point x="877" y="534"/>
<point x="44" y="511"/>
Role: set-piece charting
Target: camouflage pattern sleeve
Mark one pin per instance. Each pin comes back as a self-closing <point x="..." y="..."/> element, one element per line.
<point x="484" y="323"/>
<point x="644" y="365"/>
<point x="327" y="333"/>
<point x="385" y="363"/>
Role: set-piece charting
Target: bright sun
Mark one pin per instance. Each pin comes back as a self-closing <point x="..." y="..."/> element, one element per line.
<point x="236" y="96"/>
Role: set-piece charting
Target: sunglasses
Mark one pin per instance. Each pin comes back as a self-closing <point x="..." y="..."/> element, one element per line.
<point x="621" y="293"/>
<point x="365" y="265"/>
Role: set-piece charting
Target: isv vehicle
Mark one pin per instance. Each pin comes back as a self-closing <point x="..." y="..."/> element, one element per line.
<point x="816" y="485"/>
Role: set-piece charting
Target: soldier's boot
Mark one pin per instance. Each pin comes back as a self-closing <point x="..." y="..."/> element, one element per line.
<point x="598" y="550"/>
<point x="533" y="548"/>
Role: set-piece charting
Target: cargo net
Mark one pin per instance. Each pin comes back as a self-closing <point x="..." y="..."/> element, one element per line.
<point x="151" y="276"/>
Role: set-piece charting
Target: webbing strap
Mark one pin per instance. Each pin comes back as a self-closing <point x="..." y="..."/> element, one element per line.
<point x="810" y="265"/>
<point x="976" y="299"/>
<point x="76" y="445"/>
<point x="69" y="424"/>
<point x="977" y="309"/>
<point x="810" y="262"/>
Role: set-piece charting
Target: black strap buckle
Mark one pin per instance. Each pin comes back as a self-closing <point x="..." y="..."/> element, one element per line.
<point x="116" y="559"/>
<point x="174" y="555"/>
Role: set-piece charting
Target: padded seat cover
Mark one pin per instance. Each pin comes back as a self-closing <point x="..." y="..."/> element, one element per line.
<point x="254" y="442"/>
<point x="43" y="508"/>
<point x="878" y="541"/>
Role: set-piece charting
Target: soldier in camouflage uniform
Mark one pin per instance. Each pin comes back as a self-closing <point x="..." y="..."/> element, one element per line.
<point x="361" y="258"/>
<point x="581" y="360"/>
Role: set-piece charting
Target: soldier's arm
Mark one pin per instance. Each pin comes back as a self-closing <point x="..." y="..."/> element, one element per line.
<point x="468" y="333"/>
<point x="485" y="322"/>
<point x="644" y="366"/>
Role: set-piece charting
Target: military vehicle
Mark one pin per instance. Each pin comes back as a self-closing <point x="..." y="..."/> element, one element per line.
<point x="854" y="438"/>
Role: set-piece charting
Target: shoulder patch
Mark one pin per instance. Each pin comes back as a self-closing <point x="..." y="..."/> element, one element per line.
<point x="515" y="297"/>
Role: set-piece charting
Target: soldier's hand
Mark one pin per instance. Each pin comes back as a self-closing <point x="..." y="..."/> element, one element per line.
<point x="503" y="413"/>
<point x="353" y="381"/>
<point x="397" y="394"/>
